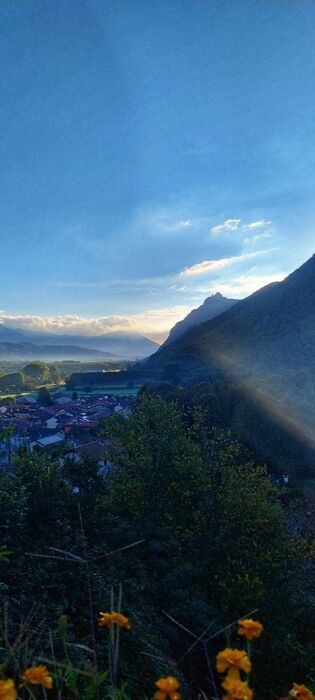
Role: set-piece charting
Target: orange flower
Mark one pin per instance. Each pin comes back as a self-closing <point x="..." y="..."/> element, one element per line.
<point x="233" y="659"/>
<point x="250" y="628"/>
<point x="38" y="675"/>
<point x="8" y="690"/>
<point x="105" y="619"/>
<point x="114" y="618"/>
<point x="167" y="687"/>
<point x="121" y="620"/>
<point x="236" y="689"/>
<point x="301" y="692"/>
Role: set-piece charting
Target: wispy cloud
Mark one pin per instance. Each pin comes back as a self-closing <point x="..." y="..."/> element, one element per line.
<point x="235" y="224"/>
<point x="208" y="266"/>
<point x="177" y="226"/>
<point x="240" y="287"/>
<point x="258" y="237"/>
<point x="228" y="225"/>
<point x="257" y="224"/>
<point x="168" y="219"/>
<point x="185" y="223"/>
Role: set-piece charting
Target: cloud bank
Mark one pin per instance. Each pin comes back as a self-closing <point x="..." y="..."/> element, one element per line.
<point x="154" y="322"/>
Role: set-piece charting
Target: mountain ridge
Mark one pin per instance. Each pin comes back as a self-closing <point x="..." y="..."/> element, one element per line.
<point x="23" y="351"/>
<point x="120" y="344"/>
<point x="211" y="307"/>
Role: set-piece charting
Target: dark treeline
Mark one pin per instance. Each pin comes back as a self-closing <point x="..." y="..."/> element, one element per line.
<point x="131" y="377"/>
<point x="215" y="544"/>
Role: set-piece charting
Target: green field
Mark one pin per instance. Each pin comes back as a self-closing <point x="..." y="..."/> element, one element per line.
<point x="132" y="391"/>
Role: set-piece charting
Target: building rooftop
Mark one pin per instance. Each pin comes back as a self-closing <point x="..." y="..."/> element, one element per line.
<point x="50" y="440"/>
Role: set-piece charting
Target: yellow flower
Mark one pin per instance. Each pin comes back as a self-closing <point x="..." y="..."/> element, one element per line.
<point x="236" y="689"/>
<point x="167" y="687"/>
<point x="8" y="690"/>
<point x="114" y="618"/>
<point x="105" y="619"/>
<point x="233" y="659"/>
<point x="38" y="675"/>
<point x="121" y="620"/>
<point x="250" y="628"/>
<point x="301" y="692"/>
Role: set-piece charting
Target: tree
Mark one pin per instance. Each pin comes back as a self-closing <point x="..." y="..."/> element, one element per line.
<point x="154" y="457"/>
<point x="29" y="383"/>
<point x="12" y="381"/>
<point x="38" y="370"/>
<point x="6" y="435"/>
<point x="44" y="397"/>
<point x="54" y="373"/>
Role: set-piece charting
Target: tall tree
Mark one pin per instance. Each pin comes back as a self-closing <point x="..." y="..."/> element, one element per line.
<point x="44" y="397"/>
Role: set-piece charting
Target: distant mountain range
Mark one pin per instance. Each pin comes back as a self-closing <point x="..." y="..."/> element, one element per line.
<point x="267" y="338"/>
<point x="211" y="307"/>
<point x="50" y="353"/>
<point x="16" y="344"/>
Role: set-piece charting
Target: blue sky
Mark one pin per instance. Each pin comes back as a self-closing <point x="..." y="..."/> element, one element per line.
<point x="152" y="153"/>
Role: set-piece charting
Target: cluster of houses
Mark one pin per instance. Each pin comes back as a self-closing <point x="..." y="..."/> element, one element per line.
<point x="68" y="428"/>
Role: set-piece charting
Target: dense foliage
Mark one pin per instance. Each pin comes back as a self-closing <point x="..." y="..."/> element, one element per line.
<point x="213" y="545"/>
<point x="256" y="423"/>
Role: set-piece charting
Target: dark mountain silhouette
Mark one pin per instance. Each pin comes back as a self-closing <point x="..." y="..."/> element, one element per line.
<point x="267" y="339"/>
<point x="211" y="307"/>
